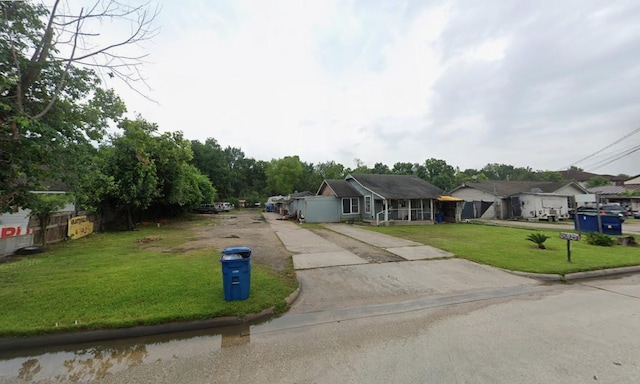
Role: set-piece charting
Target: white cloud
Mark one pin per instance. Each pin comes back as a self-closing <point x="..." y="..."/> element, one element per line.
<point x="398" y="81"/>
<point x="491" y="50"/>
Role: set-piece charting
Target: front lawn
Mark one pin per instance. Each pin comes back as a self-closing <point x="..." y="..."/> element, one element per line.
<point x="113" y="280"/>
<point x="507" y="248"/>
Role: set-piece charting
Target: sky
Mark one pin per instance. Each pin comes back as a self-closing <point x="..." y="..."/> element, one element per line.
<point x="543" y="84"/>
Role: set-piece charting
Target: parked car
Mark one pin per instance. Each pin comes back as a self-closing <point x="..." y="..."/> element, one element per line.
<point x="636" y="214"/>
<point x="605" y="209"/>
<point x="207" y="208"/>
<point x="224" y="206"/>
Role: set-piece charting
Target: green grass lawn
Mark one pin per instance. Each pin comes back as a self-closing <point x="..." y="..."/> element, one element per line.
<point x="112" y="280"/>
<point x="508" y="248"/>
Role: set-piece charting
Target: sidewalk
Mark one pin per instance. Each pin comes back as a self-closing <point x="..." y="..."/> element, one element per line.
<point x="316" y="252"/>
<point x="312" y="251"/>
<point x="409" y="250"/>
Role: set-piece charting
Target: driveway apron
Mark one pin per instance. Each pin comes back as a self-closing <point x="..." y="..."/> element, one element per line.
<point x="333" y="278"/>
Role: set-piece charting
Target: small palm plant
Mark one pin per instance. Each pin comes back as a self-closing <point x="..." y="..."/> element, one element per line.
<point x="539" y="239"/>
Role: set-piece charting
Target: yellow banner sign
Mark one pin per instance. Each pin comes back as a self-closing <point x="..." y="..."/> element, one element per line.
<point x="79" y="226"/>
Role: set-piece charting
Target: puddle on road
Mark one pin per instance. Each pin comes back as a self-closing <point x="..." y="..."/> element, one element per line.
<point x="87" y="362"/>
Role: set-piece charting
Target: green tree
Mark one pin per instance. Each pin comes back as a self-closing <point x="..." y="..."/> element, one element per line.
<point x="212" y="161"/>
<point x="330" y="170"/>
<point x="381" y="169"/>
<point x="440" y="174"/>
<point x="309" y="179"/>
<point x="239" y="170"/>
<point x="597" y="181"/>
<point x="255" y="174"/>
<point x="403" y="168"/>
<point x="177" y="178"/>
<point x="43" y="206"/>
<point x="283" y="175"/>
<point x="361" y="167"/>
<point x="469" y="175"/>
<point x="508" y="172"/>
<point x="129" y="161"/>
<point x="549" y="176"/>
<point x="50" y="102"/>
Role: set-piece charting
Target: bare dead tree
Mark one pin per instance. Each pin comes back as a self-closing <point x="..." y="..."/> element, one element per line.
<point x="51" y="59"/>
<point x="68" y="40"/>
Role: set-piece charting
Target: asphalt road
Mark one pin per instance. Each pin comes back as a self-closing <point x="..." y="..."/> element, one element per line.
<point x="578" y="333"/>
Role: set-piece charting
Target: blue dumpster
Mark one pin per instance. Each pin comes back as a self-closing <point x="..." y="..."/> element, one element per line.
<point x="611" y="224"/>
<point x="236" y="272"/>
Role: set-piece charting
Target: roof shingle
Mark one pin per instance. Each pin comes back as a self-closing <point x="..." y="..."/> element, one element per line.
<point x="398" y="186"/>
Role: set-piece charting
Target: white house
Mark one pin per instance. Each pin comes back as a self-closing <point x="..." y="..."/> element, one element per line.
<point x="502" y="199"/>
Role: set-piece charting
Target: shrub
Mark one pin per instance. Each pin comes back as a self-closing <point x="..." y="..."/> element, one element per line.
<point x="539" y="239"/>
<point x="600" y="239"/>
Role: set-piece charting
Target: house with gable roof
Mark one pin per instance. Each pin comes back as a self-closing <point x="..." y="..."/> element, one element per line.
<point x="503" y="199"/>
<point x="627" y="194"/>
<point x="380" y="198"/>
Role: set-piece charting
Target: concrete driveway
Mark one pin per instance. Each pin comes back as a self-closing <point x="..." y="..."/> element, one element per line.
<point x="334" y="278"/>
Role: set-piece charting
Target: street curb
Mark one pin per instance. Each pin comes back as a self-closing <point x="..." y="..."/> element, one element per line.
<point x="602" y="273"/>
<point x="577" y="275"/>
<point x="537" y="276"/>
<point x="14" y="344"/>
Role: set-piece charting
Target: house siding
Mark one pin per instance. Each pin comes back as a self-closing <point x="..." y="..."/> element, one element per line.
<point x="568" y="190"/>
<point x="478" y="197"/>
<point x="632" y="181"/>
<point x="321" y="209"/>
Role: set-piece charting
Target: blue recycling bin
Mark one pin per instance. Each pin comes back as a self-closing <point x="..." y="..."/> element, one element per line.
<point x="611" y="224"/>
<point x="236" y="272"/>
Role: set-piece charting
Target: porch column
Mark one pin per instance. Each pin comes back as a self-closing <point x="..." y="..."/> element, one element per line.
<point x="421" y="209"/>
<point x="409" y="205"/>
<point x="386" y="211"/>
<point x="432" y="217"/>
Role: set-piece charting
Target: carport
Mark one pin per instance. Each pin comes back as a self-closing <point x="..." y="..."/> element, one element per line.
<point x="450" y="208"/>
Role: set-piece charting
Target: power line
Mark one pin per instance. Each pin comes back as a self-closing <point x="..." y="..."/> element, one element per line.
<point x="606" y="147"/>
<point x="605" y="157"/>
<point x="618" y="157"/>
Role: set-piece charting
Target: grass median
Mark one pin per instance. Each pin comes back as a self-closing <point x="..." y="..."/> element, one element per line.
<point x="124" y="279"/>
<point x="507" y="248"/>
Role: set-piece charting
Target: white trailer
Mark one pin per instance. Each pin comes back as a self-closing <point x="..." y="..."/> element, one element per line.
<point x="539" y="206"/>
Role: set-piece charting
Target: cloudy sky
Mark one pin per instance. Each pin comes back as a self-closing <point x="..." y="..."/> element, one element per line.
<point x="529" y="83"/>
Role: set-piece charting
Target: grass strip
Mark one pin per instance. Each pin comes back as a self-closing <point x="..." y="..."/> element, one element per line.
<point x="507" y="248"/>
<point x="123" y="279"/>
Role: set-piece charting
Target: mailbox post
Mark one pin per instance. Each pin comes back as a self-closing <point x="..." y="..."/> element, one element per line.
<point x="569" y="236"/>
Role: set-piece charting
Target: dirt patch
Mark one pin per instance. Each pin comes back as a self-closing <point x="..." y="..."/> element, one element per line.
<point x="246" y="228"/>
<point x="146" y="240"/>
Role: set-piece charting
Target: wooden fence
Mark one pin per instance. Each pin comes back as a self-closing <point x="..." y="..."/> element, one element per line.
<point x="58" y="227"/>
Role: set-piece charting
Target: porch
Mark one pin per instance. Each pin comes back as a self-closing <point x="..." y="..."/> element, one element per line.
<point x="403" y="210"/>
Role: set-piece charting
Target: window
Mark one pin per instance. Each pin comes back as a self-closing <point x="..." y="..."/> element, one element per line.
<point x="350" y="205"/>
<point x="367" y="204"/>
